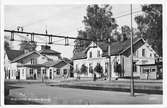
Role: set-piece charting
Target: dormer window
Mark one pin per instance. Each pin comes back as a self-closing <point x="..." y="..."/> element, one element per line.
<point x="98" y="53"/>
<point x="90" y="54"/>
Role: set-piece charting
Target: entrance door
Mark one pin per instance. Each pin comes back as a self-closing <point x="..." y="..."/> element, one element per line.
<point x="71" y="74"/>
<point x="50" y="74"/>
<point x="18" y="75"/>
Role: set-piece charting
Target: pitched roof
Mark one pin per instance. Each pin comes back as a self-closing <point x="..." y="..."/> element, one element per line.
<point x="24" y="55"/>
<point x="116" y="48"/>
<point x="50" y="63"/>
<point x="60" y="64"/>
<point x="57" y="64"/>
<point x="12" y="54"/>
<point x="49" y="52"/>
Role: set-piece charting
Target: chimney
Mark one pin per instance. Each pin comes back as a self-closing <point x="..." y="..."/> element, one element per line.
<point x="44" y="47"/>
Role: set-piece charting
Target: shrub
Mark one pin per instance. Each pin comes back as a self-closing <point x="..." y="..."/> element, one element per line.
<point x="84" y="69"/>
<point x="99" y="69"/>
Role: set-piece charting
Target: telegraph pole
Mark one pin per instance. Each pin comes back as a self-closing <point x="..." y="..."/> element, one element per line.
<point x="132" y="80"/>
<point x="109" y="57"/>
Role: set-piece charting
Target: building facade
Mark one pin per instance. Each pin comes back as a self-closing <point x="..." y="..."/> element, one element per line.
<point x="97" y="53"/>
<point x="37" y="65"/>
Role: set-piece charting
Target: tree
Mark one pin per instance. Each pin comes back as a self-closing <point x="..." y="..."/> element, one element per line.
<point x="150" y="25"/>
<point x="90" y="69"/>
<point x="6" y="45"/>
<point x="125" y="32"/>
<point x="27" y="45"/>
<point x="84" y="69"/>
<point x="98" y="25"/>
<point x="116" y="35"/>
<point x="98" y="69"/>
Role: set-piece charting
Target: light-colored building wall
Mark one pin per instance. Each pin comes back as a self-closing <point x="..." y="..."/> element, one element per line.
<point x="39" y="59"/>
<point x="93" y="60"/>
<point x="22" y="72"/>
<point x="149" y="58"/>
<point x="67" y="67"/>
<point x="53" y="57"/>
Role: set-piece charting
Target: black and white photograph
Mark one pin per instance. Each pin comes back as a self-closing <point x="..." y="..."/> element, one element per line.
<point x="83" y="54"/>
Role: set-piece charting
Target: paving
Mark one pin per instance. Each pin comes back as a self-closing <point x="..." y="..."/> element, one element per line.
<point x="42" y="93"/>
<point x="145" y="86"/>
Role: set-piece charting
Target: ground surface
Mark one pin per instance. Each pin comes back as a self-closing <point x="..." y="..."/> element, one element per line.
<point x="40" y="93"/>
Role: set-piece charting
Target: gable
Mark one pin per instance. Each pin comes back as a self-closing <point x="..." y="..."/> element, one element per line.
<point x="56" y="64"/>
<point x="26" y="56"/>
<point x="12" y="54"/>
<point x="94" y="50"/>
<point x="136" y="46"/>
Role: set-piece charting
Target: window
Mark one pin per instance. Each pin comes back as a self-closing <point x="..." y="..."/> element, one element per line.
<point x="134" y="67"/>
<point x="90" y="54"/>
<point x="98" y="53"/>
<point x="143" y="52"/>
<point x="31" y="71"/>
<point x="153" y="70"/>
<point x="106" y="67"/>
<point x="9" y="73"/>
<point x="32" y="61"/>
<point x="90" y="68"/>
<point x="58" y="71"/>
<point x="44" y="71"/>
<point x="150" y="55"/>
<point x="145" y="70"/>
<point x="64" y="71"/>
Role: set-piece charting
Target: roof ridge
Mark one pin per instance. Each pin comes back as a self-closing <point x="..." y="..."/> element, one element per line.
<point x="116" y="47"/>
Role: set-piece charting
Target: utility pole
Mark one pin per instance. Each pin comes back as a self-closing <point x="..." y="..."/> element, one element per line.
<point x="109" y="57"/>
<point x="132" y="80"/>
<point x="42" y="76"/>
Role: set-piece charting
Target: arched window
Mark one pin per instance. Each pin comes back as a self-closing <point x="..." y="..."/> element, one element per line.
<point x="98" y="53"/>
<point x="90" y="54"/>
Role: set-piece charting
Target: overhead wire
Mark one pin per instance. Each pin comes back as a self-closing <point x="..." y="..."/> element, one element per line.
<point x="113" y="17"/>
<point x="120" y="16"/>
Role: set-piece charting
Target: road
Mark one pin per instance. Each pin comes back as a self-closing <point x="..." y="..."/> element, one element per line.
<point x="44" y="94"/>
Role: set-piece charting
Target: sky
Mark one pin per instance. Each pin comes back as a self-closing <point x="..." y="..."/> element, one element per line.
<point x="60" y="19"/>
